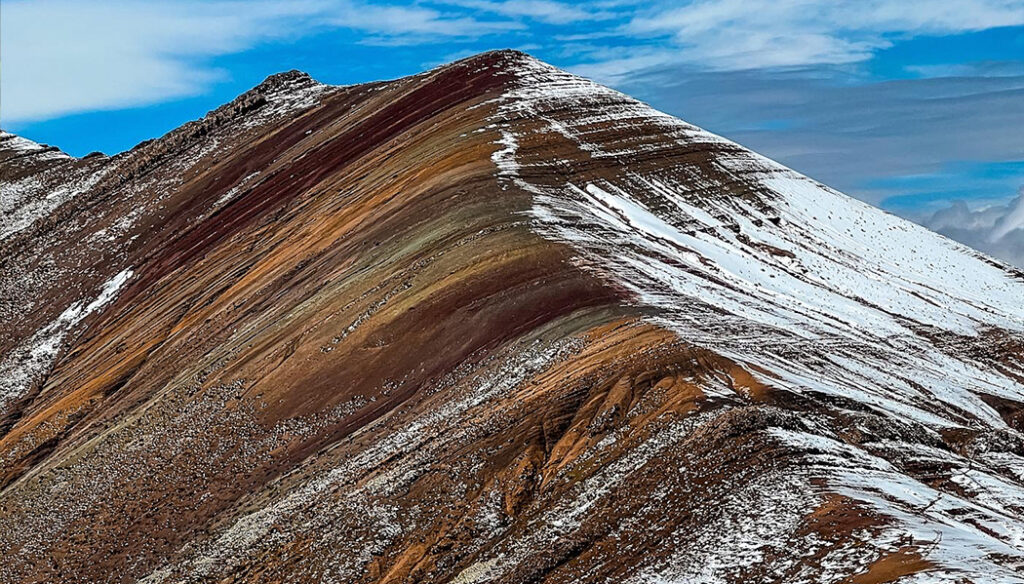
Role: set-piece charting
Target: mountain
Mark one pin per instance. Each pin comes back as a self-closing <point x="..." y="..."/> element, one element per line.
<point x="490" y="323"/>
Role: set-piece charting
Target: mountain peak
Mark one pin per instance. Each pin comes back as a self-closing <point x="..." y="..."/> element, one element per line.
<point x="286" y="79"/>
<point x="499" y="57"/>
<point x="21" y="157"/>
<point x="503" y="62"/>
<point x="13" y="145"/>
<point x="510" y="57"/>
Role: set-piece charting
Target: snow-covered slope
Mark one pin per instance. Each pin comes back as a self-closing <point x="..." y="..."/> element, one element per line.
<point x="794" y="264"/>
<point x="816" y="292"/>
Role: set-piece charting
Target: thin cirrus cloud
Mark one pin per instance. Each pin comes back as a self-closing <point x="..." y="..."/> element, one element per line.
<point x="541" y="10"/>
<point x="397" y="24"/>
<point x="745" y="34"/>
<point x="70" y="56"/>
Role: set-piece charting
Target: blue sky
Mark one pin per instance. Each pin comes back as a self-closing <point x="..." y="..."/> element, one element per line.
<point x="907" y="105"/>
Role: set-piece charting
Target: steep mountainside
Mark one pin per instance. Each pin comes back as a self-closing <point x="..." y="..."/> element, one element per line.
<point x="490" y="323"/>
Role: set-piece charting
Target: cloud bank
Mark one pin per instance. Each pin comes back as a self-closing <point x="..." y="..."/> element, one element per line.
<point x="997" y="230"/>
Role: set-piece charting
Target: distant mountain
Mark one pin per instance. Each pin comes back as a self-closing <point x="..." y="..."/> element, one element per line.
<point x="490" y="323"/>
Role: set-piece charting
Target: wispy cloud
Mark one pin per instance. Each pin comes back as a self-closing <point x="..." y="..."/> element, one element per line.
<point x="750" y="34"/>
<point x="68" y="56"/>
<point x="411" y="24"/>
<point x="64" y="56"/>
<point x="541" y="10"/>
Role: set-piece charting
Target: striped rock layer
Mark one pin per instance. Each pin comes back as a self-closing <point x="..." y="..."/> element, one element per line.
<point x="490" y="323"/>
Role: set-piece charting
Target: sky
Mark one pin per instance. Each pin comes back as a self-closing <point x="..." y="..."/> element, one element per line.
<point x="917" y="107"/>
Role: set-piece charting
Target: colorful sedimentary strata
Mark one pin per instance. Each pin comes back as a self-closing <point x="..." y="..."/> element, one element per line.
<point x="490" y="323"/>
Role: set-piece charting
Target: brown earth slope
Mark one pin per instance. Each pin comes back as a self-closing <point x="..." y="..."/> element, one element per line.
<point x="371" y="334"/>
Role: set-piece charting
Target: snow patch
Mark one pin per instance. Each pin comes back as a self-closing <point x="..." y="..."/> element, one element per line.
<point x="31" y="361"/>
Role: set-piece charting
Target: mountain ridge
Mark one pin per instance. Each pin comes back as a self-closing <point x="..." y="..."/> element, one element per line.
<point x="492" y="322"/>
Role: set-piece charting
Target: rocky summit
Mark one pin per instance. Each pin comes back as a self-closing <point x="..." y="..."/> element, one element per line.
<point x="490" y="323"/>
